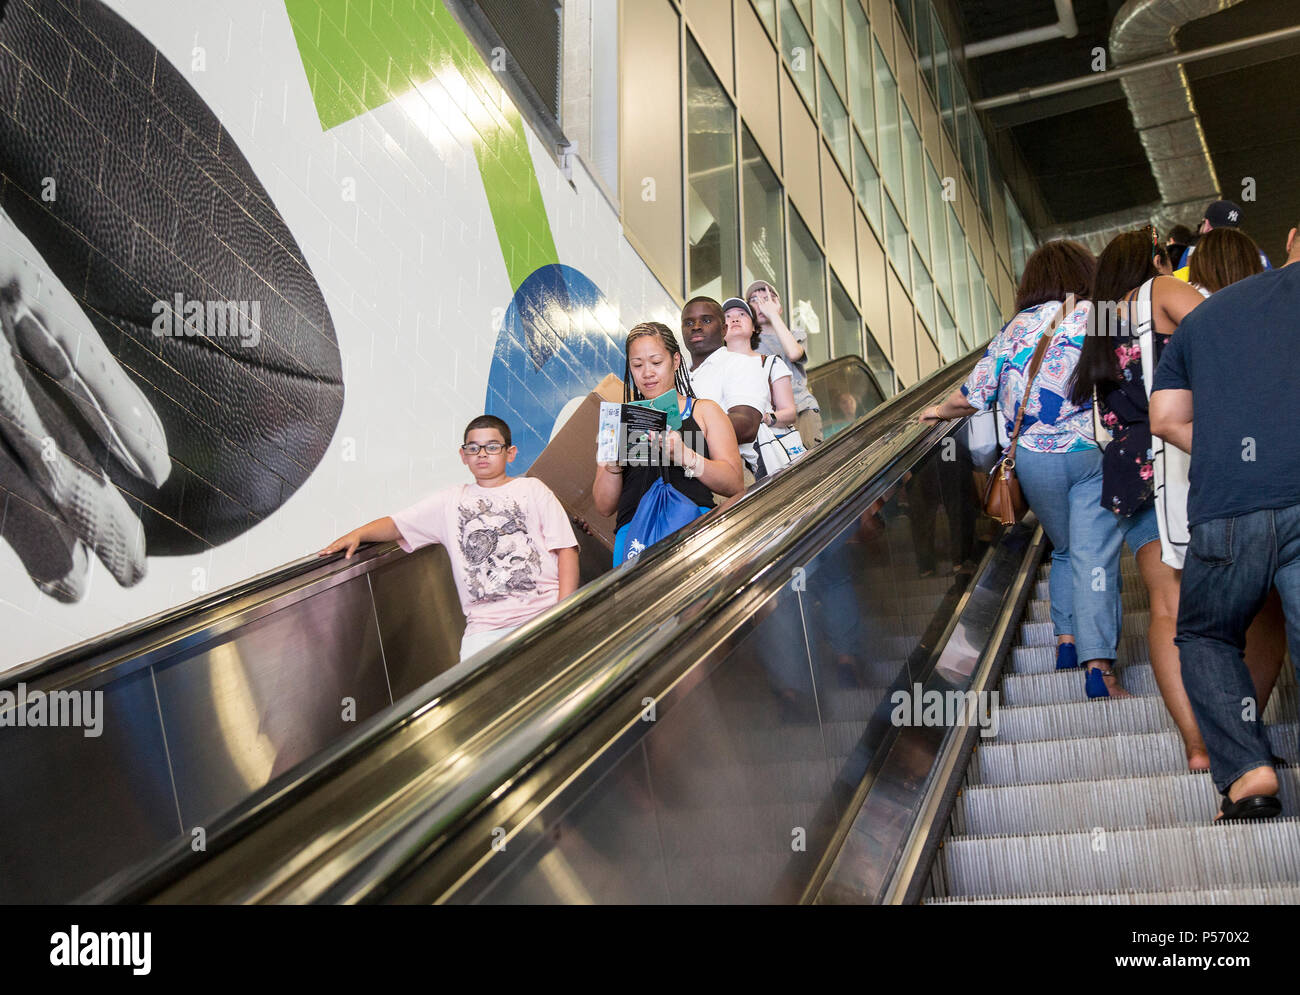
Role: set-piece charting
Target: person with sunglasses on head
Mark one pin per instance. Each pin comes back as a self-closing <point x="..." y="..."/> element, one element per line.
<point x="513" y="552"/>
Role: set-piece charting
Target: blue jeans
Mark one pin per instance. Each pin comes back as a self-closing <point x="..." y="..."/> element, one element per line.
<point x="1231" y="565"/>
<point x="1064" y="491"/>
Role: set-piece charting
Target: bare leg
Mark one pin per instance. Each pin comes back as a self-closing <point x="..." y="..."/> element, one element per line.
<point x="1266" y="648"/>
<point x="1162" y="591"/>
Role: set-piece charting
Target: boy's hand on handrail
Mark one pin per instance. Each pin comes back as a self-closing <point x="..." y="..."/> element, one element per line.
<point x="349" y="542"/>
<point x="380" y="530"/>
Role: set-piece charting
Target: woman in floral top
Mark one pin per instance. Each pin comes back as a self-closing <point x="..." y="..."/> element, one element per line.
<point x="1057" y="462"/>
<point x="1111" y="364"/>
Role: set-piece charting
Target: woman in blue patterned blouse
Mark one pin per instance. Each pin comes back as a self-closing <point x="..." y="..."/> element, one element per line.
<point x="1057" y="462"/>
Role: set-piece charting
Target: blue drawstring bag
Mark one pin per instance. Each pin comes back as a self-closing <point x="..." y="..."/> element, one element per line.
<point x="662" y="511"/>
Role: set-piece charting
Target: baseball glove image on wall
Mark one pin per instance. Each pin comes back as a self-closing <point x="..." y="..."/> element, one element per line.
<point x="169" y="373"/>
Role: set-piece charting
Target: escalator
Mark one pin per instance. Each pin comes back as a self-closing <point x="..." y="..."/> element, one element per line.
<point x="713" y="724"/>
<point x="744" y="716"/>
<point x="203" y="707"/>
<point x="1091" y="802"/>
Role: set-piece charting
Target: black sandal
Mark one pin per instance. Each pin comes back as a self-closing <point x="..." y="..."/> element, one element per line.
<point x="1250" y="807"/>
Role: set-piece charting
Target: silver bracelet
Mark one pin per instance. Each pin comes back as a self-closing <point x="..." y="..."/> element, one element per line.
<point x="691" y="470"/>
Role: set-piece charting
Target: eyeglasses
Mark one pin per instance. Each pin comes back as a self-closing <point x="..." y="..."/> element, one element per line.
<point x="491" y="448"/>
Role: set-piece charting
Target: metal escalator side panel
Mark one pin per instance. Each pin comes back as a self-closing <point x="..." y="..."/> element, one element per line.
<point x="538" y="668"/>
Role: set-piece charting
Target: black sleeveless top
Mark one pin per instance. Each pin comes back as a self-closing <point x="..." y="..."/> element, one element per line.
<point x="637" y="479"/>
<point x="1128" y="476"/>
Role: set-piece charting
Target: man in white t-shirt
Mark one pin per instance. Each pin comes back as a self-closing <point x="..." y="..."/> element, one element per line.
<point x="512" y="549"/>
<point x="733" y="381"/>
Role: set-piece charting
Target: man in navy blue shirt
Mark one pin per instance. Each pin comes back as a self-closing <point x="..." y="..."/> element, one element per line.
<point x="1229" y="371"/>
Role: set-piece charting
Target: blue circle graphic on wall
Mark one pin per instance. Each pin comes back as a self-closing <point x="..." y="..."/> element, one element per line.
<point x="558" y="340"/>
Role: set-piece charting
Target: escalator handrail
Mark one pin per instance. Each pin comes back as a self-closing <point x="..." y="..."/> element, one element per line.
<point x="869" y="450"/>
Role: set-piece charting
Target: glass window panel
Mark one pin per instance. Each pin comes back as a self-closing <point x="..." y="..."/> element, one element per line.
<point x="867" y="183"/>
<point x="879" y="366"/>
<point x="807" y="298"/>
<point x="949" y="344"/>
<point x="995" y="314"/>
<point x="764" y="230"/>
<point x="922" y="291"/>
<point x="713" y="263"/>
<point x="797" y="48"/>
<point x="982" y="175"/>
<point x="975" y="316"/>
<point x="896" y="244"/>
<point x="804" y="7"/>
<point x="943" y="64"/>
<point x="835" y="119"/>
<point x="767" y="11"/>
<point x="905" y="14"/>
<point x="830" y="38"/>
<point x="891" y="158"/>
<point x="914" y="166"/>
<point x="962" y="114"/>
<point x="861" y="101"/>
<point x="846" y="326"/>
<point x="1018" y="233"/>
<point x="941" y="267"/>
<point x="924" y="43"/>
<point x="960" y="278"/>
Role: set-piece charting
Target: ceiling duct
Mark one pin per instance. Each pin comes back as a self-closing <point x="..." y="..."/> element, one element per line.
<point x="1164" y="114"/>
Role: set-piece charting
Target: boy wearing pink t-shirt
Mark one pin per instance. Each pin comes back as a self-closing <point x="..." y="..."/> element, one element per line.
<point x="512" y="549"/>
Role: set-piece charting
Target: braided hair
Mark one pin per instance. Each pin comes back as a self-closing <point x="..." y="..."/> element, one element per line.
<point x="681" y="379"/>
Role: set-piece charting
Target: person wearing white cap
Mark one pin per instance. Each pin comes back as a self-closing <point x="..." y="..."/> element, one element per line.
<point x="776" y="339"/>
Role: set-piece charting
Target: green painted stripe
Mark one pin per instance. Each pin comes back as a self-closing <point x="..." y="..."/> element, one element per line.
<point x="361" y="54"/>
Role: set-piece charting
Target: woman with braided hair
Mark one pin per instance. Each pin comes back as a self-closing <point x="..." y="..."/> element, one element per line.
<point x="702" y="459"/>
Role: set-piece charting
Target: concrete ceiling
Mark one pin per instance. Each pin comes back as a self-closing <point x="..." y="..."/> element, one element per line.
<point x="1082" y="147"/>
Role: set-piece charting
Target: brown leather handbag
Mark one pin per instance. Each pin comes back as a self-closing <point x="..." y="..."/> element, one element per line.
<point x="1003" y="499"/>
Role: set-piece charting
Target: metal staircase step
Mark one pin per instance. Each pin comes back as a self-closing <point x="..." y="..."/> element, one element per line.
<point x="1154" y="859"/>
<point x="1182" y="798"/>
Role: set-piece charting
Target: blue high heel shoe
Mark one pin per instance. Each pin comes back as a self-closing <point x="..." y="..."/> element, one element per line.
<point x="1067" y="657"/>
<point x="1095" y="682"/>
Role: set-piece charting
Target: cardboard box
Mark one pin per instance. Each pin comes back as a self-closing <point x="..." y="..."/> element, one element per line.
<point x="568" y="466"/>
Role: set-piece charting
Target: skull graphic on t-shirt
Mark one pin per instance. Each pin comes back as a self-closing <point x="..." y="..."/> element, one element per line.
<point x="500" y="557"/>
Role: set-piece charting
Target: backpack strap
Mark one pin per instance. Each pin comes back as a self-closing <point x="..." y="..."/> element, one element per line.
<point x="1145" y="312"/>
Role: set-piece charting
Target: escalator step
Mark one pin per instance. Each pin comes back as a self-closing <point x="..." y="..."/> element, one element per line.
<point x="1042" y="634"/>
<point x="1123" y="755"/>
<point x="1277" y="894"/>
<point x="1159" y="859"/>
<point x="1128" y="572"/>
<point x="1181" y="798"/>
<point x="1079" y="801"/>
<point x="1082" y="718"/>
<point x="1085" y="718"/>
<point x="1052" y="760"/>
<point x="1065" y="686"/>
<point x="1133" y="597"/>
<point x="1042" y="659"/>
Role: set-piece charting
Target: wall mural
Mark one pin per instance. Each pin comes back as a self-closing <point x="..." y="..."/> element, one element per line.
<point x="211" y="221"/>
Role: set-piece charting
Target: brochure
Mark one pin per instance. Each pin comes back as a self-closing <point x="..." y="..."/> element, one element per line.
<point x="624" y="434"/>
